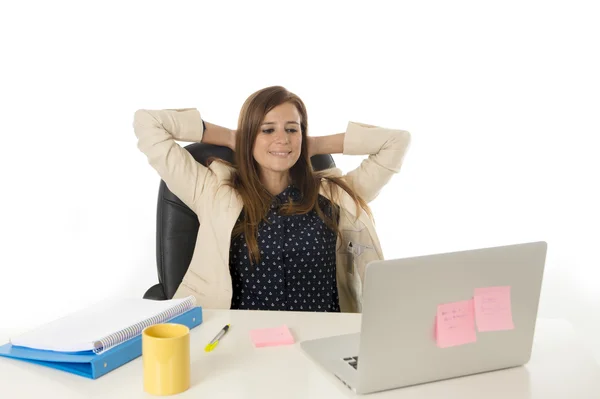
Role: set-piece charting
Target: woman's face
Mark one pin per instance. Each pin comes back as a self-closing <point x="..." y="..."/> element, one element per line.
<point x="278" y="144"/>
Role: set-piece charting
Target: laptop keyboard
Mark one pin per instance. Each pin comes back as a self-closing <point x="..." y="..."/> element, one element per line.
<point x="352" y="361"/>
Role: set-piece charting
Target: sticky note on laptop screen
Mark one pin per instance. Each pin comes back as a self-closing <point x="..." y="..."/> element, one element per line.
<point x="493" y="309"/>
<point x="271" y="337"/>
<point x="455" y="324"/>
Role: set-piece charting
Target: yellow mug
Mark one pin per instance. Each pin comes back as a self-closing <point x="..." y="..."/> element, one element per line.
<point x="166" y="358"/>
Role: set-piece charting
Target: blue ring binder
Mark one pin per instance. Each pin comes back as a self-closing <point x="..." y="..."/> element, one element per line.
<point x="88" y="364"/>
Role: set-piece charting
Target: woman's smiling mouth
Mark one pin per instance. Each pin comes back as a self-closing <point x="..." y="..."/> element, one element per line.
<point x="282" y="154"/>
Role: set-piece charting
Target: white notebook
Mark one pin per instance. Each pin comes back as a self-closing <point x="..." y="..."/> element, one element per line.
<point x="103" y="325"/>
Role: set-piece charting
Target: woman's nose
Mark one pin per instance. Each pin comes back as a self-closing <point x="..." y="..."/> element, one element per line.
<point x="281" y="136"/>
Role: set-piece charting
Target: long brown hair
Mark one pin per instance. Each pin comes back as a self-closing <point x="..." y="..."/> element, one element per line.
<point x="245" y="179"/>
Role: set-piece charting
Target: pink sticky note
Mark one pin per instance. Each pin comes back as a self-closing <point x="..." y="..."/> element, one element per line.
<point x="455" y="324"/>
<point x="271" y="337"/>
<point x="493" y="309"/>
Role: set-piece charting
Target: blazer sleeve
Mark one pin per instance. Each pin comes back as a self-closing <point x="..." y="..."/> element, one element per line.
<point x="386" y="149"/>
<point x="156" y="131"/>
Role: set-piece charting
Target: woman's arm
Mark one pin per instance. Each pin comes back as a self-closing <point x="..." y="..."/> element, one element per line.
<point x="157" y="131"/>
<point x="332" y="144"/>
<point x="218" y="135"/>
<point x="386" y="149"/>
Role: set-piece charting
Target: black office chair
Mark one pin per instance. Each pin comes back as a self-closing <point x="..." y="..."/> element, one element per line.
<point x="177" y="225"/>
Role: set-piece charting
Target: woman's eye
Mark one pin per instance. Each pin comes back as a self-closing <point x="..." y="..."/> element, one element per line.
<point x="271" y="130"/>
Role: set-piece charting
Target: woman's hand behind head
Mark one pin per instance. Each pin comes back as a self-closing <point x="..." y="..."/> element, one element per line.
<point x="232" y="140"/>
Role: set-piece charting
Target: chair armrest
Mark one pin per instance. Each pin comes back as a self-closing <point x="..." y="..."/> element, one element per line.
<point x="156" y="293"/>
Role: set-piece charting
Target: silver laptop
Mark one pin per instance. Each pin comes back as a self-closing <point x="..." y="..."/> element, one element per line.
<point x="397" y="347"/>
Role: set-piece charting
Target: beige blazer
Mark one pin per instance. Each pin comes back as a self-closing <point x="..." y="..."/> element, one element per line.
<point x="218" y="206"/>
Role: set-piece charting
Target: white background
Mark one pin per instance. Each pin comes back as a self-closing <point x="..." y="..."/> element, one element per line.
<point x="502" y="100"/>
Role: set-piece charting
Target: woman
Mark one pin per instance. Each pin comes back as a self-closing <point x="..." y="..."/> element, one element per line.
<point x="274" y="234"/>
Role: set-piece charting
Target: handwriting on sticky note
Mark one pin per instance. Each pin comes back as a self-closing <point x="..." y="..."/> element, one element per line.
<point x="455" y="324"/>
<point x="493" y="309"/>
<point x="271" y="337"/>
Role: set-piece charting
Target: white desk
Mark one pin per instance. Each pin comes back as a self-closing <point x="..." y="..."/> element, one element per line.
<point x="559" y="367"/>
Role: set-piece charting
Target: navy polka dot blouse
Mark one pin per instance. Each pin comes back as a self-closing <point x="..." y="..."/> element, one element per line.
<point x="296" y="270"/>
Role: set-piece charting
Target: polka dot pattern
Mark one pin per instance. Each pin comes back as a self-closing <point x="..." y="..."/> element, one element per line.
<point x="297" y="266"/>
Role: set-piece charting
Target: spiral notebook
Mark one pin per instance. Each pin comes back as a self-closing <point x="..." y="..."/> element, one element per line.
<point x="96" y="340"/>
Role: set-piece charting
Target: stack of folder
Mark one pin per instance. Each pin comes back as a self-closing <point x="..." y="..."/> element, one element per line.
<point x="97" y="340"/>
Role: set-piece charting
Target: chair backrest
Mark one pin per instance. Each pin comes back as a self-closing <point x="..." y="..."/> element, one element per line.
<point x="177" y="225"/>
